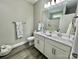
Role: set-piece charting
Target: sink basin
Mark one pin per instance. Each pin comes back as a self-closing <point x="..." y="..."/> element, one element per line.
<point x="67" y="39"/>
<point x="63" y="37"/>
<point x="57" y="37"/>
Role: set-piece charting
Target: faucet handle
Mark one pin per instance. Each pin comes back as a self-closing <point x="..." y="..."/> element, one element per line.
<point x="58" y="30"/>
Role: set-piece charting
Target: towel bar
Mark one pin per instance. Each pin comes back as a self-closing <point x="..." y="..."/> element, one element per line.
<point x="22" y="22"/>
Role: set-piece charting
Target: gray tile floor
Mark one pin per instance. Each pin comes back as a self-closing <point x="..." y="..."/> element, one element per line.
<point x="24" y="53"/>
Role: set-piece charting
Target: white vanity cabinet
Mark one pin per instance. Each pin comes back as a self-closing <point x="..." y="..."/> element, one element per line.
<point x="39" y="43"/>
<point x="51" y="49"/>
<point x="56" y="51"/>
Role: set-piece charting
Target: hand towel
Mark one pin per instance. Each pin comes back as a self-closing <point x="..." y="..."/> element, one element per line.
<point x="19" y="29"/>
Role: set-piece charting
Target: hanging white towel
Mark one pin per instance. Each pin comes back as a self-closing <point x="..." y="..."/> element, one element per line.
<point x="19" y="29"/>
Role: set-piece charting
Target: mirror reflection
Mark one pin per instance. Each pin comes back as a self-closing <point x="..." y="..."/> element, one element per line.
<point x="62" y="20"/>
<point x="53" y="21"/>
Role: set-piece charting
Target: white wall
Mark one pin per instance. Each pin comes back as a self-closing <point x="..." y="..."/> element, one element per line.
<point x="38" y="12"/>
<point x="14" y="10"/>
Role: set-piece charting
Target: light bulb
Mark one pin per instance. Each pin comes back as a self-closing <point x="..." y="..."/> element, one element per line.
<point x="58" y="1"/>
<point x="45" y="5"/>
<point x="52" y="3"/>
<point x="48" y="5"/>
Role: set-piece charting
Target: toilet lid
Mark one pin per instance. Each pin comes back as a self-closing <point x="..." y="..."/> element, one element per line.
<point x="30" y="38"/>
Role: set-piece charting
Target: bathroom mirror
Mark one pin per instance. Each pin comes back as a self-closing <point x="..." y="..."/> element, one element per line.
<point x="53" y="21"/>
<point x="60" y="21"/>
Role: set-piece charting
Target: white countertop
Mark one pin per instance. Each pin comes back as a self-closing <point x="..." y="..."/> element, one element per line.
<point x="65" y="42"/>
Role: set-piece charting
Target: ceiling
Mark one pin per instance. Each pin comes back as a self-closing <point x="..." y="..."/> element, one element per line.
<point x="32" y="1"/>
<point x="72" y="2"/>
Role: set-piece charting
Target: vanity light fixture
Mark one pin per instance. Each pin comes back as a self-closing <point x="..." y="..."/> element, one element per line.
<point x="53" y="2"/>
<point x="47" y="5"/>
<point x="59" y="1"/>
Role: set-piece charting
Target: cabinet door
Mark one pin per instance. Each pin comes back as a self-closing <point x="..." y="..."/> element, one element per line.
<point x="36" y="43"/>
<point x="60" y="54"/>
<point x="49" y="51"/>
<point x="39" y="44"/>
<point x="52" y="52"/>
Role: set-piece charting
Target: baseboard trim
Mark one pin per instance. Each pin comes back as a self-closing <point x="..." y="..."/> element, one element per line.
<point x="18" y="44"/>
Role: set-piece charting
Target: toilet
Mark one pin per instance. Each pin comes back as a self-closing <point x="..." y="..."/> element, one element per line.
<point x="5" y="49"/>
<point x="30" y="40"/>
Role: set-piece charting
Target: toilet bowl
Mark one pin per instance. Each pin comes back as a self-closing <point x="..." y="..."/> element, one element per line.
<point x="30" y="39"/>
<point x="5" y="49"/>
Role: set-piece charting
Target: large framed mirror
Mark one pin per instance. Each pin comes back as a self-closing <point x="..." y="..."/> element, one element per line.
<point x="53" y="21"/>
<point x="60" y="20"/>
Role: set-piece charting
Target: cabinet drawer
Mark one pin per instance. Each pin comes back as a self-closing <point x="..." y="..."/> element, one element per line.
<point x="59" y="45"/>
<point x="49" y="51"/>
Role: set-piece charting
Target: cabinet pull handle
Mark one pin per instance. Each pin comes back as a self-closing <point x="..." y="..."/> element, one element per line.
<point x="38" y="41"/>
<point x="54" y="51"/>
